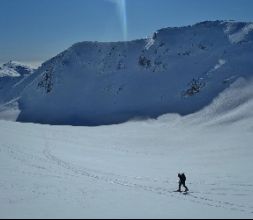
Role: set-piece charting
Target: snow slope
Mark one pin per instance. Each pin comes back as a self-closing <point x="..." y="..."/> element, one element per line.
<point x="130" y="170"/>
<point x="14" y="77"/>
<point x="15" y="69"/>
<point x="11" y="75"/>
<point x="177" y="70"/>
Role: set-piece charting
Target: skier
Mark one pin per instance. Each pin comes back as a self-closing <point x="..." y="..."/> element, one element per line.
<point x="182" y="179"/>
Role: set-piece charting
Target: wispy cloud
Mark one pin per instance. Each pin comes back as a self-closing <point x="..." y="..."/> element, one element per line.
<point x="122" y="10"/>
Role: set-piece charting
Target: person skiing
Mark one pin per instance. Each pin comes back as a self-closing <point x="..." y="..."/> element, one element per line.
<point x="182" y="179"/>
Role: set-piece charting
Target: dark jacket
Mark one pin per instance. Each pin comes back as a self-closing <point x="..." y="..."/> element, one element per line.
<point x="182" y="177"/>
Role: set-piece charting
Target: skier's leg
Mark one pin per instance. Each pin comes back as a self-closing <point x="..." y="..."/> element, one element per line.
<point x="179" y="187"/>
<point x="186" y="188"/>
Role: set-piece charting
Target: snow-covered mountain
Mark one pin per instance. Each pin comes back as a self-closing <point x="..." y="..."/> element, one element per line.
<point x="177" y="70"/>
<point x="12" y="75"/>
<point x="15" y="69"/>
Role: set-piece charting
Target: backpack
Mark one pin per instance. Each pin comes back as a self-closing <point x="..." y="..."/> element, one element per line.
<point x="183" y="177"/>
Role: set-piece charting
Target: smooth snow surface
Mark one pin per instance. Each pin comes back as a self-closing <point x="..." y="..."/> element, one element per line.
<point x="130" y="170"/>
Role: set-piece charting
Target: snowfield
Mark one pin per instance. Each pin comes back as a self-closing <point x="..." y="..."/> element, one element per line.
<point x="130" y="170"/>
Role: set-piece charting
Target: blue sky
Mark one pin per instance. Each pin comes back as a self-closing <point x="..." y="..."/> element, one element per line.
<point x="35" y="30"/>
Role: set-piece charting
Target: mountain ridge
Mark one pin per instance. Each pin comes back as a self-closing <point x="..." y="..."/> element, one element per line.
<point x="177" y="70"/>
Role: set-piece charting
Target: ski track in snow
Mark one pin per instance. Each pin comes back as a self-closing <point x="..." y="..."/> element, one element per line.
<point x="158" y="190"/>
<point x="48" y="165"/>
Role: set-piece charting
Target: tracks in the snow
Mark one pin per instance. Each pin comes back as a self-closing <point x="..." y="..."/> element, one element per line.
<point x="124" y="181"/>
<point x="48" y="161"/>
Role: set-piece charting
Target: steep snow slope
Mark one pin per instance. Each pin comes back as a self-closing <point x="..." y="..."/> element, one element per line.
<point x="178" y="70"/>
<point x="130" y="170"/>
